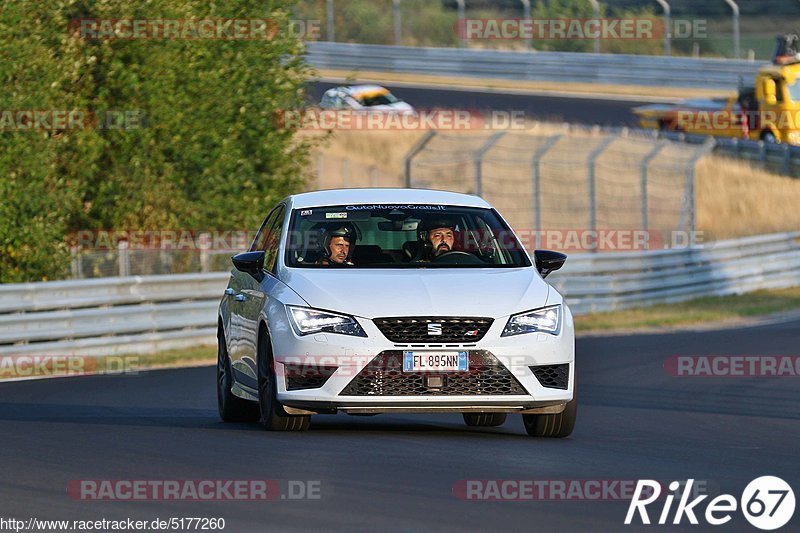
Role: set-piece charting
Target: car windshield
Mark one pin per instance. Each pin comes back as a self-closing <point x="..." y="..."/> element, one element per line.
<point x="377" y="98"/>
<point x="402" y="236"/>
<point x="794" y="91"/>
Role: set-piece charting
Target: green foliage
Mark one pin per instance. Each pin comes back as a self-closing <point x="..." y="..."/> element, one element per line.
<point x="201" y="150"/>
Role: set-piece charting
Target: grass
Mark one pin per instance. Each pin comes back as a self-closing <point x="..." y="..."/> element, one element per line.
<point x="712" y="309"/>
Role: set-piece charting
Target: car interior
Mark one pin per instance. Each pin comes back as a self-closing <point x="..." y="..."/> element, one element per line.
<point x="391" y="238"/>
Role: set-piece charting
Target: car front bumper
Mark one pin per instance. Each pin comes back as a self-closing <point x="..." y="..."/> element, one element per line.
<point x="346" y="358"/>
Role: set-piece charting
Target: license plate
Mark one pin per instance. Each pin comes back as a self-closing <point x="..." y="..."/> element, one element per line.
<point x="435" y="362"/>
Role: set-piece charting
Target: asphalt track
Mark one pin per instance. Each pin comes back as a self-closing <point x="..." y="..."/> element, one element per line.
<point x="588" y="110"/>
<point x="396" y="473"/>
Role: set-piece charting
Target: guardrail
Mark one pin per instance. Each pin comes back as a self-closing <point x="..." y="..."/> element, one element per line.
<point x="602" y="282"/>
<point x="110" y="316"/>
<point x="780" y="158"/>
<point x="617" y="69"/>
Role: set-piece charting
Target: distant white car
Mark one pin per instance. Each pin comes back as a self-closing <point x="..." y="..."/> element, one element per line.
<point x="364" y="98"/>
<point x="368" y="301"/>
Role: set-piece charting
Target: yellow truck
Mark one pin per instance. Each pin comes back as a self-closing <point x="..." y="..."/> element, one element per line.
<point x="768" y="111"/>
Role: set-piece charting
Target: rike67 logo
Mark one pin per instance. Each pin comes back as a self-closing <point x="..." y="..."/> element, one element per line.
<point x="767" y="503"/>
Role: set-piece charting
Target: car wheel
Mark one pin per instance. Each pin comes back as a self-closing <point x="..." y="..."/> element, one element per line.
<point x="231" y="407"/>
<point x="554" y="426"/>
<point x="768" y="137"/>
<point x="273" y="416"/>
<point x="484" y="419"/>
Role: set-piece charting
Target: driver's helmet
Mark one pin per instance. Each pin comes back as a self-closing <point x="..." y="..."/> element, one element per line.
<point x="340" y="229"/>
<point x="430" y="223"/>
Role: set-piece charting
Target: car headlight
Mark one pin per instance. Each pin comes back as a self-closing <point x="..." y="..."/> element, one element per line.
<point x="306" y="321"/>
<point x="544" y="320"/>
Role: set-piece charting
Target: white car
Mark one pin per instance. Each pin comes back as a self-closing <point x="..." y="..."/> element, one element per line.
<point x="367" y="301"/>
<point x="364" y="98"/>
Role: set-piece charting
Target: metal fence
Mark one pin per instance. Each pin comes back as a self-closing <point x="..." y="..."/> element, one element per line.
<point x="583" y="181"/>
<point x="588" y="180"/>
<point x="401" y="32"/>
<point x="616" y="69"/>
<point x="113" y="316"/>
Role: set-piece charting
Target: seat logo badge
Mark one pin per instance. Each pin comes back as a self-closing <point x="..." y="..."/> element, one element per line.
<point x="471" y="333"/>
<point x="434" y="329"/>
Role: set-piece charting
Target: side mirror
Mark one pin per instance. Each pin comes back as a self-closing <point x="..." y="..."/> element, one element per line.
<point x="770" y="91"/>
<point x="251" y="263"/>
<point x="548" y="261"/>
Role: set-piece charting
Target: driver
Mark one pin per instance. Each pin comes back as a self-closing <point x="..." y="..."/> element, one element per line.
<point x="436" y="237"/>
<point x="338" y="245"/>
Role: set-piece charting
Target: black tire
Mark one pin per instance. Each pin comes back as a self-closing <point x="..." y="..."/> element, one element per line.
<point x="554" y="426"/>
<point x="769" y="137"/>
<point x="273" y="416"/>
<point x="486" y="420"/>
<point x="231" y="407"/>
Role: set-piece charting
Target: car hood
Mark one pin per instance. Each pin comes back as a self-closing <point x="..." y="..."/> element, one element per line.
<point x="372" y="293"/>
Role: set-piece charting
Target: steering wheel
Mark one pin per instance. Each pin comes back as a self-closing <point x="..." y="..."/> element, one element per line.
<point x="457" y="257"/>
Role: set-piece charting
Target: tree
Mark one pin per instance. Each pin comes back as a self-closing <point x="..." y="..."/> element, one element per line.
<point x="182" y="134"/>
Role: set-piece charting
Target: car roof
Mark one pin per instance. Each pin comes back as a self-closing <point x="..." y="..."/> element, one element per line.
<point x="383" y="196"/>
<point x="360" y="89"/>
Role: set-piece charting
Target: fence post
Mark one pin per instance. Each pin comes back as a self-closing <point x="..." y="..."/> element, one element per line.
<point x="204" y="240"/>
<point x="491" y="141"/>
<point x="667" y="30"/>
<point x="320" y="166"/>
<point x="592" y="163"/>
<point x="462" y="10"/>
<point x="526" y="10"/>
<point x="536" y="177"/>
<point x="736" y="39"/>
<point x="416" y="149"/>
<point x="398" y="23"/>
<point x="690" y="201"/>
<point x="373" y="176"/>
<point x="331" y="29"/>
<point x="644" y="182"/>
<point x="596" y="15"/>
<point x="75" y="264"/>
<point x="123" y="259"/>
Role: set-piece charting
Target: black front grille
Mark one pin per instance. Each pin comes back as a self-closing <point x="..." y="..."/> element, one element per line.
<point x="302" y="377"/>
<point x="384" y="376"/>
<point x="552" y="376"/>
<point x="421" y="329"/>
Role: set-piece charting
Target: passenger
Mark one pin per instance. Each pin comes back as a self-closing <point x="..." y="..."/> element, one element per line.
<point x="338" y="245"/>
